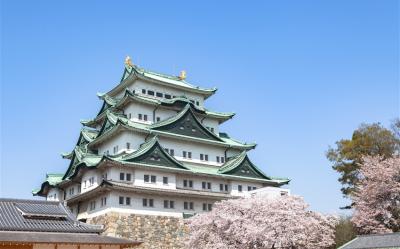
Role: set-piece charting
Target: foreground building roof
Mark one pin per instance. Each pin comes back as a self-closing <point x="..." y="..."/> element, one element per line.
<point x="374" y="241"/>
<point x="33" y="221"/>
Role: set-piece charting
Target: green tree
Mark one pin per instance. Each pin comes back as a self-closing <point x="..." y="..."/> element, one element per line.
<point x="368" y="139"/>
<point x="344" y="231"/>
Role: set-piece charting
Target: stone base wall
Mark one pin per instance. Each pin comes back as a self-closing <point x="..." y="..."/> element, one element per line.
<point x="156" y="232"/>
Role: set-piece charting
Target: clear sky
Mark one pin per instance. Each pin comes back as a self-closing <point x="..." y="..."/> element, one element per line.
<point x="299" y="74"/>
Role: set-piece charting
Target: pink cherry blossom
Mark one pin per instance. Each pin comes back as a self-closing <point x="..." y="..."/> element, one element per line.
<point x="260" y="222"/>
<point x="377" y="196"/>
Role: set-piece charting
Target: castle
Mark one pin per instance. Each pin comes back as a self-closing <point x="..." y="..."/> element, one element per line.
<point x="154" y="149"/>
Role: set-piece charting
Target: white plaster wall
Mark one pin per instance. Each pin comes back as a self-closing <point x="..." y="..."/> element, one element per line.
<point x="164" y="113"/>
<point x="196" y="148"/>
<point x="138" y="108"/>
<point x="138" y="85"/>
<point x="235" y="184"/>
<point x="139" y="179"/>
<point x="197" y="182"/>
<point x="76" y="190"/>
<point x="158" y="209"/>
<point x="212" y="123"/>
<point x="58" y="195"/>
<point x="86" y="176"/>
<point x="134" y="138"/>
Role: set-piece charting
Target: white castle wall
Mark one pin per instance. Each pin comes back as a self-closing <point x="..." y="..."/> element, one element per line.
<point x="138" y="85"/>
<point x="134" y="138"/>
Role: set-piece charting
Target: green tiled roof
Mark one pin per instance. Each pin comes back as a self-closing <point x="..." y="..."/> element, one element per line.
<point x="113" y="104"/>
<point x="89" y="160"/>
<point x="167" y="80"/>
<point x="52" y="179"/>
<point x="237" y="161"/>
<point x="113" y="121"/>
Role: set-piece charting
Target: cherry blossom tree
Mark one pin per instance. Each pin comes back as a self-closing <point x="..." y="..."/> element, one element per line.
<point x="377" y="196"/>
<point x="263" y="223"/>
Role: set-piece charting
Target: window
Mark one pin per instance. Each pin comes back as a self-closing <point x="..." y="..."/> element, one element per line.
<point x="207" y="207"/>
<point x="167" y="96"/>
<point x="254" y="188"/>
<point x="128" y="146"/>
<point x="122" y="176"/>
<point x="165" y="180"/>
<point x="144" y="91"/>
<point x="221" y="187"/>
<point x="149" y="92"/>
<point x="91" y="181"/>
<point x="128" y="200"/>
<point x="171" y="152"/>
<point x="169" y="204"/>
<point x="197" y="103"/>
<point x="188" y="205"/>
<point x="222" y="159"/>
<point x="121" y="200"/>
<point x="128" y="176"/>
<point x="150" y="178"/>
<point x="190" y="155"/>
<point x="184" y="154"/>
<point x="80" y="187"/>
<point x="92" y="205"/>
<point x="205" y="157"/>
<point x="212" y="129"/>
<point x="84" y="184"/>
<point x="158" y="119"/>
<point x="140" y="116"/>
<point x="115" y="149"/>
<point x="188" y="183"/>
<point x="103" y="201"/>
<point x="160" y="95"/>
<point x="107" y="152"/>
<point x="148" y="203"/>
<point x="240" y="188"/>
<point x="249" y="188"/>
<point x="206" y="185"/>
<point x="129" y="115"/>
<point x="226" y="187"/>
<point x="145" y="117"/>
<point x="104" y="176"/>
<point x="201" y="157"/>
<point x="217" y="159"/>
<point x="71" y="191"/>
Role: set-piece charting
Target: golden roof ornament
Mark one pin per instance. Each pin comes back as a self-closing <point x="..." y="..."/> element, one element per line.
<point x="182" y="76"/>
<point x="128" y="61"/>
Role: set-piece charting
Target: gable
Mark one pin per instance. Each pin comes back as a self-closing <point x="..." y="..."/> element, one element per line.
<point x="155" y="156"/>
<point x="188" y="125"/>
<point x="246" y="169"/>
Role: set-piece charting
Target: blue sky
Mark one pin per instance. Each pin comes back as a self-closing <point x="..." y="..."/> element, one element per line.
<point x="299" y="74"/>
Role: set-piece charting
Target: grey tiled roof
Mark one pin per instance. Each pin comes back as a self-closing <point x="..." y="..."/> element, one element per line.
<point x="375" y="241"/>
<point x="67" y="238"/>
<point x="40" y="216"/>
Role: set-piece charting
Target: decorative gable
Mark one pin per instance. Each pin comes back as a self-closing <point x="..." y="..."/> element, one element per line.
<point x="186" y="124"/>
<point x="246" y="169"/>
<point x="155" y="155"/>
